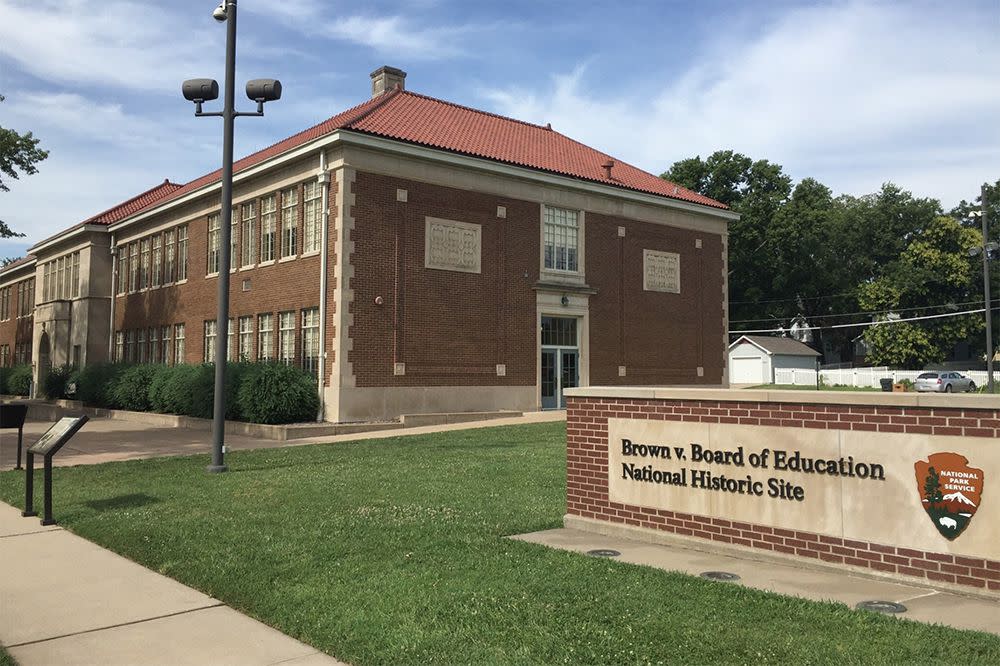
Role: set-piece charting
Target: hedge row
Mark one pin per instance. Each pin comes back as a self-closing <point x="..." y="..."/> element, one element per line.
<point x="256" y="392"/>
<point x="15" y="380"/>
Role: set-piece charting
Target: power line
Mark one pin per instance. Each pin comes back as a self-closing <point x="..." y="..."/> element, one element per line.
<point x="804" y="298"/>
<point x="864" y="324"/>
<point x="871" y="312"/>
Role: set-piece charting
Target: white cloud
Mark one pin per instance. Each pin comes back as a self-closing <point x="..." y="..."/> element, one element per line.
<point x="394" y="34"/>
<point x="813" y="91"/>
<point x="119" y="45"/>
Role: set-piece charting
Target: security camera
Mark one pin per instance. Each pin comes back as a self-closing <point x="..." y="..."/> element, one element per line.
<point x="220" y="12"/>
<point x="200" y="90"/>
<point x="264" y="90"/>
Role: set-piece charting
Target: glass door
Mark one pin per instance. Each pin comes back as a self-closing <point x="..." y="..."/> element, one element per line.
<point x="560" y="361"/>
<point x="550" y="388"/>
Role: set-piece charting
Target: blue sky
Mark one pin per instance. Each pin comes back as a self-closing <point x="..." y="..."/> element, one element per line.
<point x="851" y="93"/>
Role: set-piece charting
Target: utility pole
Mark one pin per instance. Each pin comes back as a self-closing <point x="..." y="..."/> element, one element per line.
<point x="986" y="292"/>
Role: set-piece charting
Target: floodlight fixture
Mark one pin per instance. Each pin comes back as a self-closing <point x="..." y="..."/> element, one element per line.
<point x="220" y="14"/>
<point x="263" y="90"/>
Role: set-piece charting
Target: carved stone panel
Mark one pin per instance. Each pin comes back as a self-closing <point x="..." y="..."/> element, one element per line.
<point x="661" y="271"/>
<point x="452" y="246"/>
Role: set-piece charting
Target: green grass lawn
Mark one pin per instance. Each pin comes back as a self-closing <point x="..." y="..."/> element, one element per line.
<point x="392" y="551"/>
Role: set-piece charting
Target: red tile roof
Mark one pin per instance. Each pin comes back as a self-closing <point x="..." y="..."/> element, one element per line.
<point x="17" y="263"/>
<point x="135" y="204"/>
<point x="406" y="116"/>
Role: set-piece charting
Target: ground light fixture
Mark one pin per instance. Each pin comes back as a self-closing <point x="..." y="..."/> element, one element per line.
<point x="200" y="91"/>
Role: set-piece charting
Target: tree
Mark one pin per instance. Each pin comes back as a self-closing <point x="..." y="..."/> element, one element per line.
<point x="932" y="487"/>
<point x="18" y="152"/>
<point x="934" y="269"/>
<point x="755" y="190"/>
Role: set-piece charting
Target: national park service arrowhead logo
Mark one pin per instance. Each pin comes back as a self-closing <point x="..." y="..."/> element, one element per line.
<point x="950" y="491"/>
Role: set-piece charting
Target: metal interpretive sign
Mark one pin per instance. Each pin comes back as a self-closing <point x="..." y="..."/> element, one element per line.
<point x="47" y="446"/>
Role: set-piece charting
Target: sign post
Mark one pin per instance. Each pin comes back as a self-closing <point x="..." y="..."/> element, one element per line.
<point x="12" y="416"/>
<point x="47" y="446"/>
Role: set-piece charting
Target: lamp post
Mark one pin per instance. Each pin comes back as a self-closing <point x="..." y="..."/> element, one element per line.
<point x="200" y="91"/>
<point x="988" y="250"/>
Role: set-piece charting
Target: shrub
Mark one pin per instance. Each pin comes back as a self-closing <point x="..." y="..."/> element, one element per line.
<point x="275" y="393"/>
<point x="19" y="380"/>
<point x="183" y="389"/>
<point x="3" y="380"/>
<point x="131" y="388"/>
<point x="58" y="382"/>
<point x="94" y="383"/>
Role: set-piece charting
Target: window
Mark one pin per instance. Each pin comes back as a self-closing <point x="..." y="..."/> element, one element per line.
<point x="311" y="217"/>
<point x="5" y="304"/>
<point x="130" y="347"/>
<point x="248" y="245"/>
<point x="310" y="340"/>
<point x="178" y="344"/>
<point x="154" y="345"/>
<point x="141" y="342"/>
<point x="25" y="298"/>
<point x="76" y="356"/>
<point x="165" y="336"/>
<point x="182" y="253"/>
<point x="561" y="239"/>
<point x="75" y="286"/>
<point x="230" y="336"/>
<point x="157" y="273"/>
<point x="60" y="277"/>
<point x="267" y="228"/>
<point x="265" y="337"/>
<point x="289" y="221"/>
<point x="119" y="346"/>
<point x="22" y="352"/>
<point x="144" y="264"/>
<point x="286" y="337"/>
<point x="133" y="270"/>
<point x="4" y="356"/>
<point x="169" y="261"/>
<point x="46" y="283"/>
<point x="210" y="335"/>
<point x="559" y="331"/>
<point x="246" y="339"/>
<point x="233" y="229"/>
<point x="122" y="259"/>
<point x="213" y="244"/>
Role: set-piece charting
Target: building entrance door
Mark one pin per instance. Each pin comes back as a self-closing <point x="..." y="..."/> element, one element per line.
<point x="560" y="360"/>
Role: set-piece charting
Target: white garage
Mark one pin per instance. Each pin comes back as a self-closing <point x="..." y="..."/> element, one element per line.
<point x="753" y="359"/>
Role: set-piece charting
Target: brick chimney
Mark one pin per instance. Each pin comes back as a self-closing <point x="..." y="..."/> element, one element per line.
<point x="385" y="79"/>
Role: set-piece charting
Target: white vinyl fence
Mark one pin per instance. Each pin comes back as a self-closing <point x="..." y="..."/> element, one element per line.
<point x="861" y="377"/>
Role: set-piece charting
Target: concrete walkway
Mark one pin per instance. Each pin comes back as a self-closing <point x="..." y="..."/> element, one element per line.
<point x="64" y="600"/>
<point x="110" y="440"/>
<point x="922" y="603"/>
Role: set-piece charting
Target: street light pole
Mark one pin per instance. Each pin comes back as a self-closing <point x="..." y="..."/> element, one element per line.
<point x="200" y="91"/>
<point x="225" y="251"/>
<point x="986" y="292"/>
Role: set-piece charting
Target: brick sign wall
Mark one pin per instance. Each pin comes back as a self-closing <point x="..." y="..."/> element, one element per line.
<point x="846" y="484"/>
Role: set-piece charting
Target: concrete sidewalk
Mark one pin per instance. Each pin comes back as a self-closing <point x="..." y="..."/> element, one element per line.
<point x="65" y="600"/>
<point x="922" y="602"/>
<point x="110" y="440"/>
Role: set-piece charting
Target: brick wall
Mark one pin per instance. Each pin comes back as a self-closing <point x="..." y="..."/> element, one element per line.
<point x="661" y="338"/>
<point x="282" y="286"/>
<point x="587" y="478"/>
<point x="16" y="330"/>
<point x="450" y="328"/>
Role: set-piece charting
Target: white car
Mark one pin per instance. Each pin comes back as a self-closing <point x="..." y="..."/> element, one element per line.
<point x="943" y="382"/>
